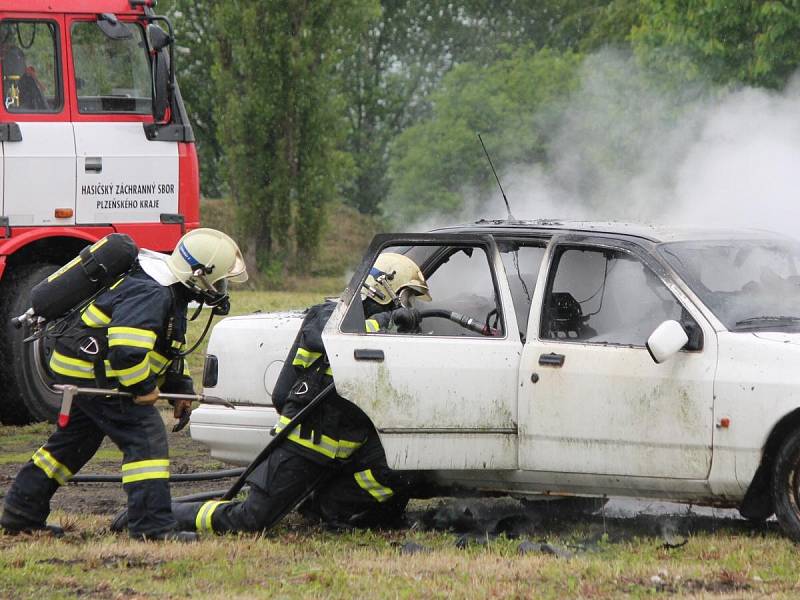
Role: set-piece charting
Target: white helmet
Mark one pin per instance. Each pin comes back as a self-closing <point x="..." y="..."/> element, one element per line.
<point x="391" y="276"/>
<point x="205" y="256"/>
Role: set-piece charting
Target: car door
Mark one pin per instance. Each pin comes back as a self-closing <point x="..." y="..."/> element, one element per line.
<point x="38" y="180"/>
<point x="592" y="399"/>
<point x="122" y="176"/>
<point x="445" y="398"/>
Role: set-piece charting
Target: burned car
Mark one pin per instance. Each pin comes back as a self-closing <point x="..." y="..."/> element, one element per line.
<point x="610" y="359"/>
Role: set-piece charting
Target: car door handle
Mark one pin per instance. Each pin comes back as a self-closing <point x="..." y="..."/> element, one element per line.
<point x="368" y="354"/>
<point x="94" y="164"/>
<point x="551" y="360"/>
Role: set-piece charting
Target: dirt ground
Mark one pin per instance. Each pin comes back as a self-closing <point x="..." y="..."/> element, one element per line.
<point x="619" y="519"/>
<point x="186" y="456"/>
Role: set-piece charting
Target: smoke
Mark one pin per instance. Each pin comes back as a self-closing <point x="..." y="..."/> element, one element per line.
<point x="624" y="149"/>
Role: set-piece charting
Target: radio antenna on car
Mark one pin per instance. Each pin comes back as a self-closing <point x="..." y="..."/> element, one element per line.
<point x="489" y="158"/>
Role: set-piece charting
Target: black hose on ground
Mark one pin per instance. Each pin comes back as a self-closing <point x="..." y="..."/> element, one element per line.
<point x="174" y="477"/>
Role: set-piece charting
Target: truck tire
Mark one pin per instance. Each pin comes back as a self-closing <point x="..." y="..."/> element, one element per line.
<point x="25" y="395"/>
<point x="786" y="486"/>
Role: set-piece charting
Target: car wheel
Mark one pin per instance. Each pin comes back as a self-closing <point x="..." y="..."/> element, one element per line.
<point x="26" y="380"/>
<point x="786" y="486"/>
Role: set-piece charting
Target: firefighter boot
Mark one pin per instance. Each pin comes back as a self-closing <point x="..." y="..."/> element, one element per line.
<point x="13" y="524"/>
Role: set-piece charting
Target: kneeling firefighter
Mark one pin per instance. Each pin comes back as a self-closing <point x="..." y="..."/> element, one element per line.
<point x="335" y="453"/>
<point x="131" y="336"/>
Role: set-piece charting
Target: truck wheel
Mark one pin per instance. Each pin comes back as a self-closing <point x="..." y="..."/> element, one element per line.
<point x="786" y="486"/>
<point x="25" y="393"/>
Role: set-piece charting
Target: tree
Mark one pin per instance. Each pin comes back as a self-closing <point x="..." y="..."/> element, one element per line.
<point x="280" y="119"/>
<point x="193" y="21"/>
<point x="750" y="42"/>
<point x="512" y="102"/>
<point x="404" y="53"/>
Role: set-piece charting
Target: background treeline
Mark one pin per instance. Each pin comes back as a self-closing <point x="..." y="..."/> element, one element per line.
<point x="317" y="118"/>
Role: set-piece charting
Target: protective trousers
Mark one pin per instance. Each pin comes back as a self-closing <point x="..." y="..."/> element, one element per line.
<point x="276" y="487"/>
<point x="139" y="433"/>
<point x="365" y="492"/>
<point x="348" y="494"/>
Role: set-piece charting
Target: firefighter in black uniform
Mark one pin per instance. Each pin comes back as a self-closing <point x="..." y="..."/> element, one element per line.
<point x="335" y="454"/>
<point x="131" y="336"/>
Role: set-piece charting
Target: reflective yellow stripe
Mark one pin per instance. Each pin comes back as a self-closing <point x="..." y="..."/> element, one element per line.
<point x="158" y="362"/>
<point x="366" y="480"/>
<point x="305" y="358"/>
<point x="186" y="370"/>
<point x="76" y="260"/>
<point x="327" y="446"/>
<point x="202" y="521"/>
<point x="71" y="367"/>
<point x="372" y="325"/>
<point x="134" y="374"/>
<point x="65" y="268"/>
<point x="51" y="467"/>
<point x="329" y="371"/>
<point x="178" y="345"/>
<point x="113" y="287"/>
<point x="157" y="468"/>
<point x="131" y="336"/>
<point x="94" y="317"/>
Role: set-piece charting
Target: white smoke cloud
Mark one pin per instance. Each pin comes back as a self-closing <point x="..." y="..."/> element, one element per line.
<point x="625" y="150"/>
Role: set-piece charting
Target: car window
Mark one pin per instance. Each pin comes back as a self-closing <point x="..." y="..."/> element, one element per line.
<point x="30" y="67"/>
<point x="460" y="284"/>
<point x="749" y="284"/>
<point x="605" y="297"/>
<point x="522" y="269"/>
<point x="111" y="76"/>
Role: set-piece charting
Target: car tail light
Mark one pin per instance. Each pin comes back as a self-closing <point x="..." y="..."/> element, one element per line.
<point x="210" y="371"/>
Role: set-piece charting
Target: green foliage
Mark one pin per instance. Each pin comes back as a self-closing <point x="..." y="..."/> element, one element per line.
<point x="279" y="118"/>
<point x="401" y="58"/>
<point x="193" y="21"/>
<point x="751" y="42"/>
<point x="512" y="102"/>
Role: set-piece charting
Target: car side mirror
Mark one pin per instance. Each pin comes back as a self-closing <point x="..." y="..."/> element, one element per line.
<point x="160" y="43"/>
<point x="666" y="340"/>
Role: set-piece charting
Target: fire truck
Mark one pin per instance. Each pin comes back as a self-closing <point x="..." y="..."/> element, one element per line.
<point x="94" y="139"/>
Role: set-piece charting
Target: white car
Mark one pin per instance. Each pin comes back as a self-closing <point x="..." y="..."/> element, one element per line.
<point x="616" y="360"/>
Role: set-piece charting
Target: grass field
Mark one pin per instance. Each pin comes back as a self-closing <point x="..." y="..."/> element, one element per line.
<point x="596" y="556"/>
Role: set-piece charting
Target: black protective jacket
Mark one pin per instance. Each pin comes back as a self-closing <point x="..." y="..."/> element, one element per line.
<point x="128" y="337"/>
<point x="337" y="427"/>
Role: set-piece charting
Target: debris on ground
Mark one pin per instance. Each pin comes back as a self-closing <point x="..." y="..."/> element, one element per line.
<point x="528" y="547"/>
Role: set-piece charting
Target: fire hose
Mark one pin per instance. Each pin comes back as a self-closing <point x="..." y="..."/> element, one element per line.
<point x="465" y="321"/>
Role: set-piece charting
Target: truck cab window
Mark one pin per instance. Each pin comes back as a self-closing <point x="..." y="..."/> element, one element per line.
<point x="111" y="76"/>
<point x="606" y="297"/>
<point x="30" y="67"/>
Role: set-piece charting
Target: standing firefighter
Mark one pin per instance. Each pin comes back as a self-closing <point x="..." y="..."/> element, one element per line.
<point x="335" y="453"/>
<point x="130" y="336"/>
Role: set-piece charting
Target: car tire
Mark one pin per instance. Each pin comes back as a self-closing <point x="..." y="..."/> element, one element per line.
<point x="26" y="382"/>
<point x="786" y="486"/>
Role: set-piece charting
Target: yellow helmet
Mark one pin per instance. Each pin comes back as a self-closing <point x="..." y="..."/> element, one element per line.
<point x="204" y="257"/>
<point x="391" y="275"/>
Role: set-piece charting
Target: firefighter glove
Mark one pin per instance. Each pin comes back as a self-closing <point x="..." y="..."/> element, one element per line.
<point x="406" y="319"/>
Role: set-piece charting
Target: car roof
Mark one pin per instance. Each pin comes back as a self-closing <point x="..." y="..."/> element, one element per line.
<point x="654" y="234"/>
